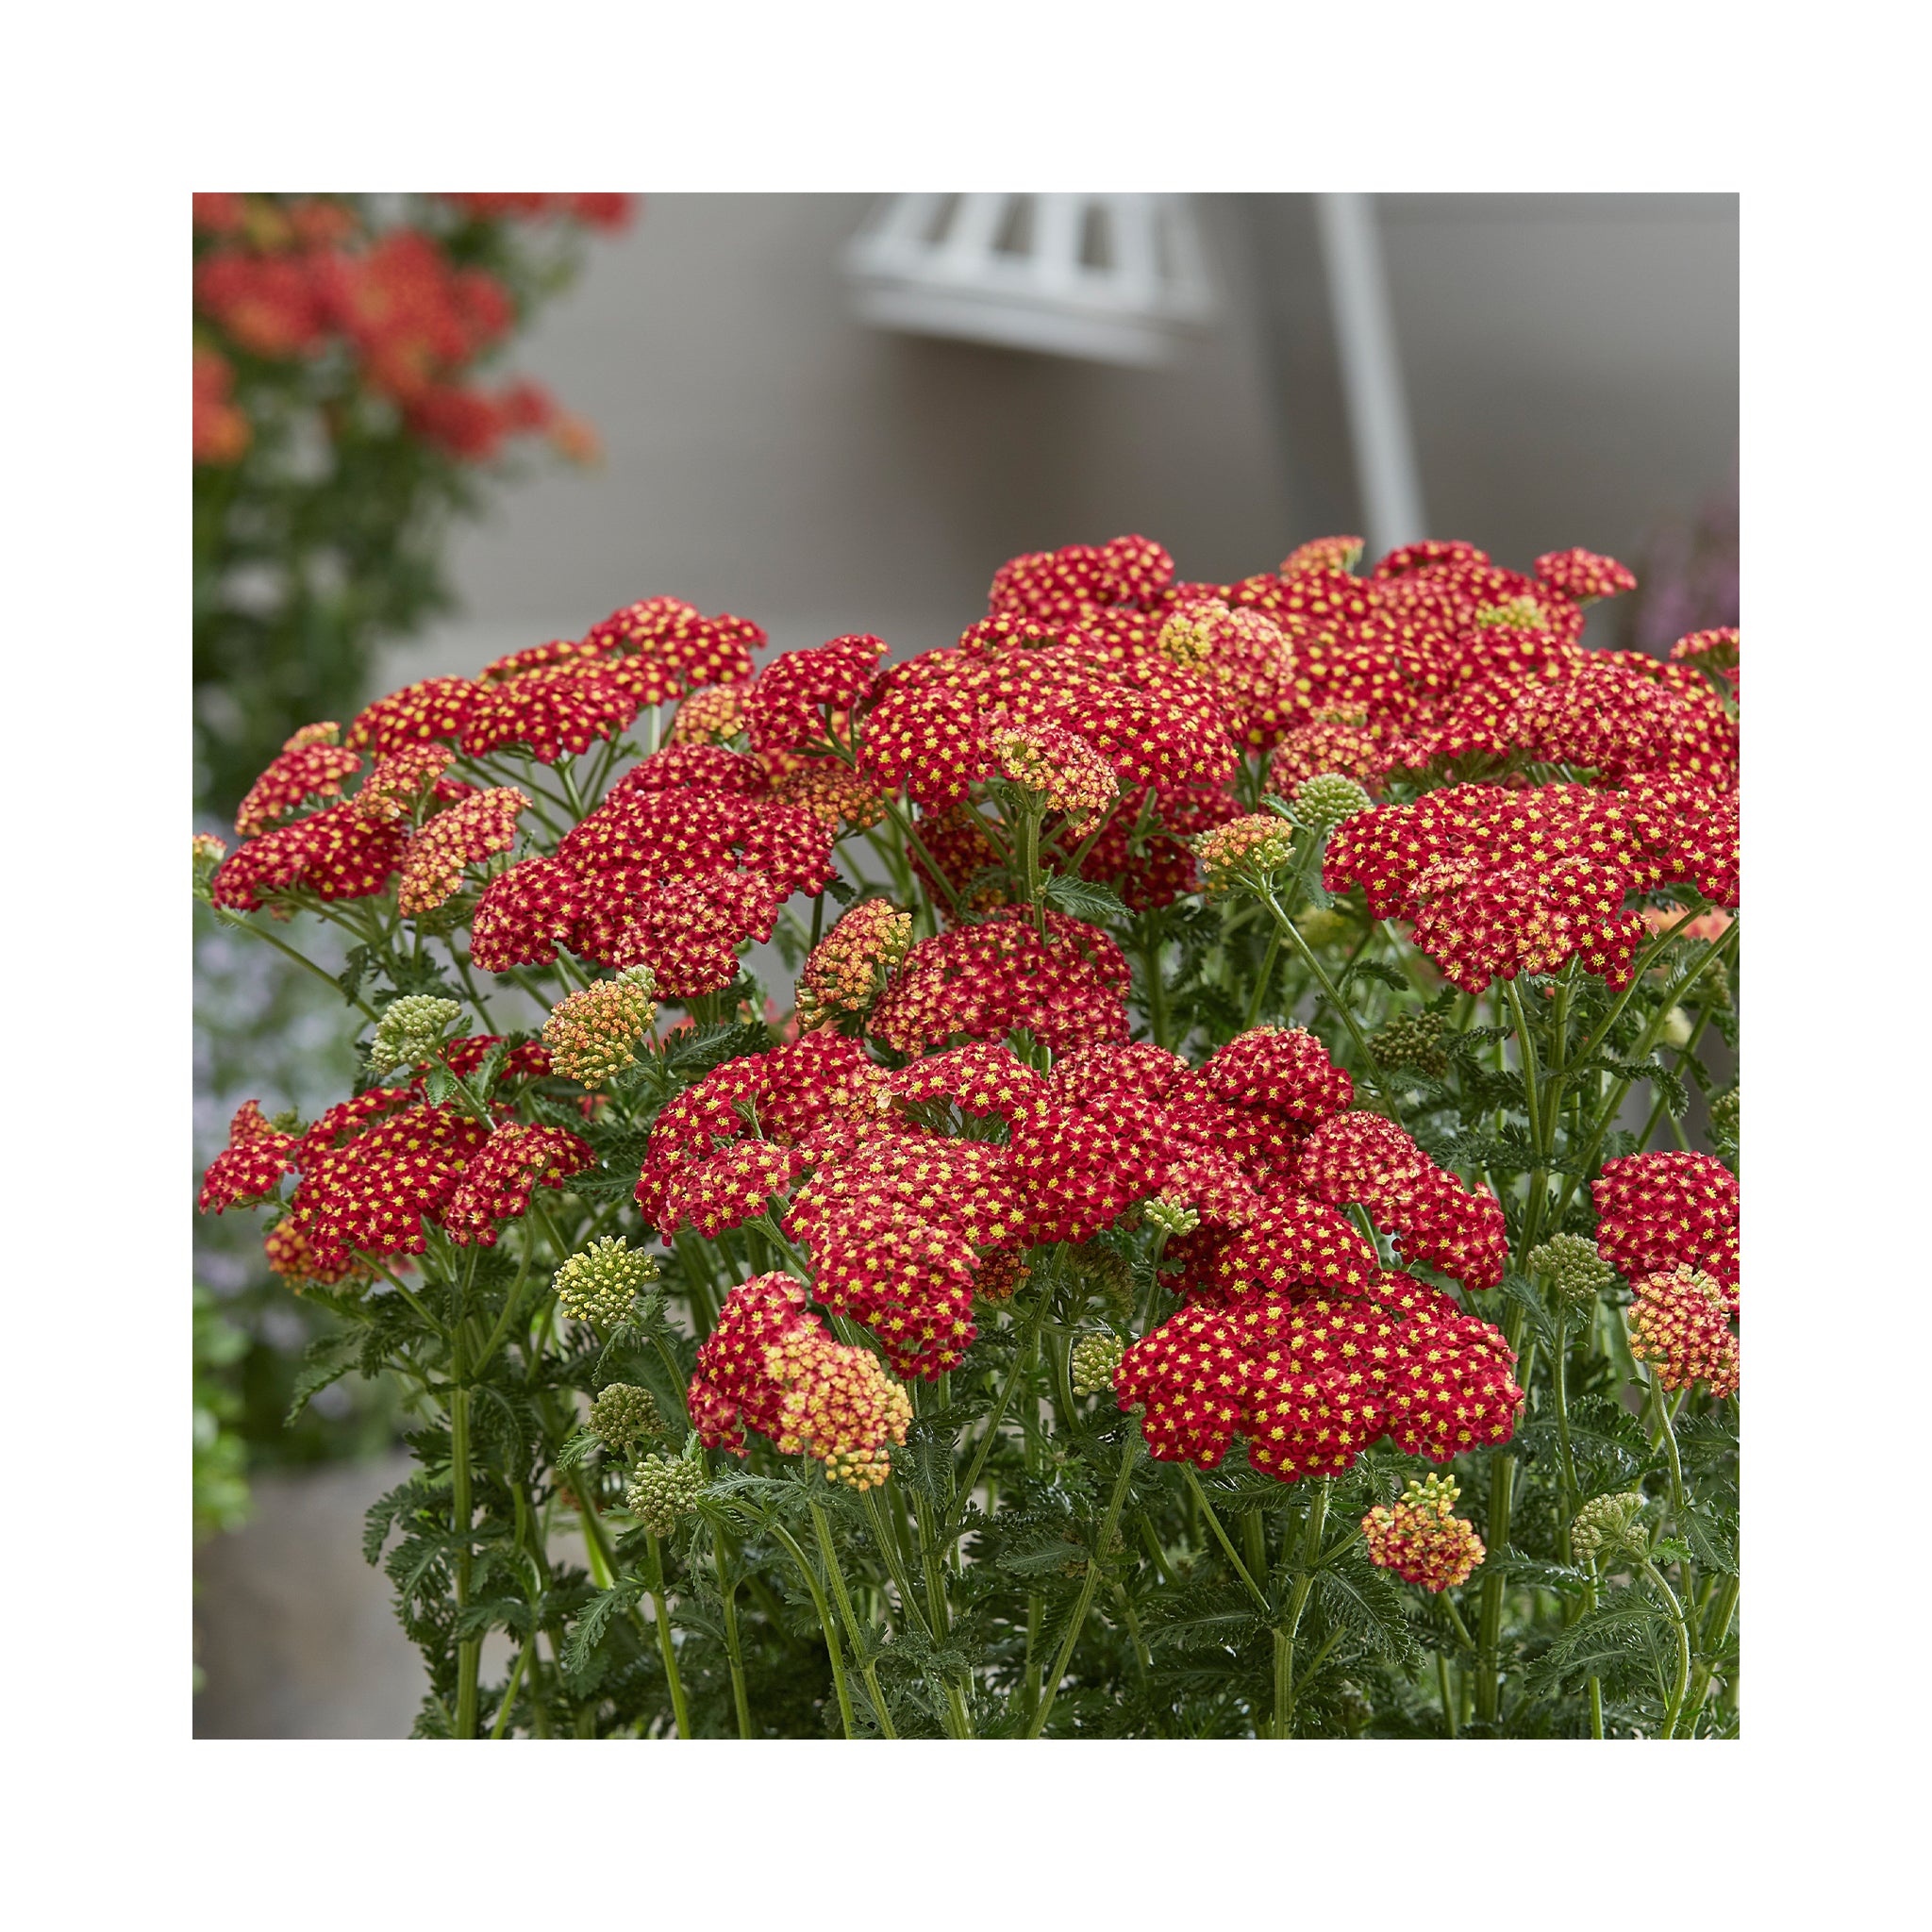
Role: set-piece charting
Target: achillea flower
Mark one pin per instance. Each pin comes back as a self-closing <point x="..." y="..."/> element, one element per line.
<point x="1500" y="881"/>
<point x="1657" y="1210"/>
<point x="784" y="708"/>
<point x="1577" y="1274"/>
<point x="835" y="795"/>
<point x="1094" y="1363"/>
<point x="1340" y="742"/>
<point x="307" y="767"/>
<point x="292" y="1259"/>
<point x="496" y="1183"/>
<point x="1582" y="575"/>
<point x="1058" y="764"/>
<point x="663" y="648"/>
<point x="625" y="1417"/>
<point x="730" y="1188"/>
<point x="251" y="1165"/>
<point x="1064" y="585"/>
<point x="982" y="981"/>
<point x="1278" y="1070"/>
<point x="1245" y="854"/>
<point x="1421" y="1539"/>
<point x="1325" y="800"/>
<point x="1608" y="1527"/>
<point x="1362" y="1156"/>
<point x="549" y="711"/>
<point x="1323" y="553"/>
<point x="410" y="1030"/>
<point x="437" y="708"/>
<point x="465" y="834"/>
<point x="599" y="1283"/>
<point x="844" y="972"/>
<point x="334" y="854"/>
<point x="768" y="1365"/>
<point x="373" y="1191"/>
<point x="208" y="854"/>
<point x="1680" y="1320"/>
<point x="711" y="715"/>
<point x="1311" y="1382"/>
<point x="392" y="789"/>
<point x="1709" y="650"/>
<point x="661" y="1489"/>
<point x="591" y="1034"/>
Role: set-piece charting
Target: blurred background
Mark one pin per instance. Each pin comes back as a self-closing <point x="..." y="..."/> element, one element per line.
<point x="829" y="413"/>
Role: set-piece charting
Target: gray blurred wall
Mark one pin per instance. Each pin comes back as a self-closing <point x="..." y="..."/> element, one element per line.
<point x="1570" y="364"/>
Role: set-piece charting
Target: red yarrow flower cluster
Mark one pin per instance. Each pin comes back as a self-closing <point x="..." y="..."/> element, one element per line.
<point x="1499" y="882"/>
<point x="1680" y="1320"/>
<point x="1311" y="1381"/>
<point x="689" y="857"/>
<point x="768" y="1365"/>
<point x="1421" y="1538"/>
<point x="1658" y="1212"/>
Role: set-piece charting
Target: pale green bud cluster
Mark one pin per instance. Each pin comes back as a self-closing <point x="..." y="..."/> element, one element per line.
<point x="1171" y="1217"/>
<point x="623" y="1418"/>
<point x="1095" y="1361"/>
<point x="662" y="1489"/>
<point x="1724" y="1117"/>
<point x="1608" y="1527"/>
<point x="598" y="1284"/>
<point x="1577" y="1274"/>
<point x="1322" y="925"/>
<point x="410" y="1029"/>
<point x="1412" y="1039"/>
<point x="1325" y="800"/>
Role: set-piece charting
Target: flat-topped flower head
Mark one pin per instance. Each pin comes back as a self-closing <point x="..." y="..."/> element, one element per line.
<point x="847" y="970"/>
<point x="1655" y="1210"/>
<point x="593" y="1034"/>
<point x="1245" y="854"/>
<point x="1681" y="1323"/>
<point x="1582" y="575"/>
<point x="599" y="1283"/>
<point x="467" y="833"/>
<point x="310" y="765"/>
<point x="1421" y="1538"/>
<point x="1058" y="764"/>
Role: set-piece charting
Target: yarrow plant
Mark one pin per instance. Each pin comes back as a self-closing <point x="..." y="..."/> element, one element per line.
<point x="1190" y="1254"/>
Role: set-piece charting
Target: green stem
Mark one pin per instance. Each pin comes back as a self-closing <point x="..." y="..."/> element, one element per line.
<point x="843" y="1597"/>
<point x="1283" y="1659"/>
<point x="1220" y="1536"/>
<point x="660" y="1611"/>
<point x="826" y="1623"/>
<point x="1367" y="1059"/>
<point x="1678" y="1689"/>
<point x="509" y="1690"/>
<point x="469" y="1650"/>
<point x="1094" y="1564"/>
<point x="1262" y="982"/>
<point x="1442" y="1685"/>
<point x="727" y="1593"/>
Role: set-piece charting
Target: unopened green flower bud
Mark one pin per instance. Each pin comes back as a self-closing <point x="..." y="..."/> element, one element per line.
<point x="1608" y="1527"/>
<point x="599" y="1283"/>
<point x="662" y="1489"/>
<point x="1724" y="1117"/>
<point x="1577" y="1274"/>
<point x="1096" y="1361"/>
<point x="1412" y="1039"/>
<point x="1171" y="1217"/>
<point x="1325" y="800"/>
<point x="410" y="1029"/>
<point x="623" y="1418"/>
<point x="1714" y="988"/>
